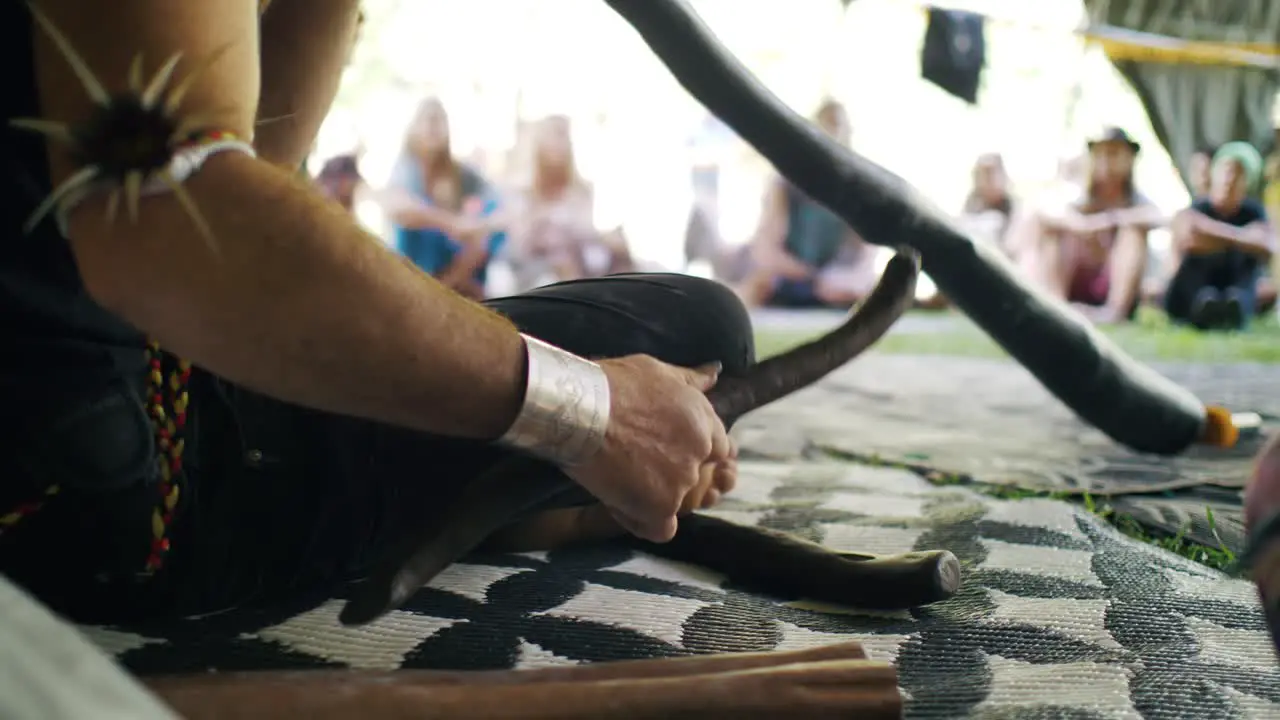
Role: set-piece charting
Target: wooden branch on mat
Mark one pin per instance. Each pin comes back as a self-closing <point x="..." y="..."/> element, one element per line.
<point x="836" y="681"/>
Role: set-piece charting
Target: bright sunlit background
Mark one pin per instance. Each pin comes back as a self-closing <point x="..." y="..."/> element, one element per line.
<point x="496" y="62"/>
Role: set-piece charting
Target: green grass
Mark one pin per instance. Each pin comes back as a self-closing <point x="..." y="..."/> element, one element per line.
<point x="1218" y="557"/>
<point x="1150" y="337"/>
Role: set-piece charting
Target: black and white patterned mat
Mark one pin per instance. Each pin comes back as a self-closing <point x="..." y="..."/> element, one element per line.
<point x="1059" y="616"/>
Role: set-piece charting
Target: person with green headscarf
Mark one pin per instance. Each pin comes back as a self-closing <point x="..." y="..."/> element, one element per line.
<point x="1221" y="243"/>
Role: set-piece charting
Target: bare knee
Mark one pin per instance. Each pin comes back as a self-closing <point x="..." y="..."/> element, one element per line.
<point x="727" y="335"/>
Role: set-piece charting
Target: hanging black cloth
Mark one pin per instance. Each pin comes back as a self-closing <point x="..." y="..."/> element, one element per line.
<point x="954" y="52"/>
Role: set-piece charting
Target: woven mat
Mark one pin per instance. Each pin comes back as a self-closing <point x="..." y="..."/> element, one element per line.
<point x="991" y="421"/>
<point x="1059" y="615"/>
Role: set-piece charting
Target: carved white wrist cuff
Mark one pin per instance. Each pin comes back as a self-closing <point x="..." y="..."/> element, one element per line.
<point x="566" y="406"/>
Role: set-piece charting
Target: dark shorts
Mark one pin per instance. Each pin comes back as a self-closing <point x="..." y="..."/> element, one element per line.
<point x="283" y="502"/>
<point x="1093" y="287"/>
<point x="1090" y="287"/>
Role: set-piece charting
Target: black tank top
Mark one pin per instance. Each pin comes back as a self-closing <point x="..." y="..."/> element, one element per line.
<point x="57" y="342"/>
<point x="71" y="386"/>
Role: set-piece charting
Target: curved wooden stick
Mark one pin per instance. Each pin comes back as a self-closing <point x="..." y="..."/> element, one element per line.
<point x="774" y="562"/>
<point x="756" y="558"/>
<point x="517" y="486"/>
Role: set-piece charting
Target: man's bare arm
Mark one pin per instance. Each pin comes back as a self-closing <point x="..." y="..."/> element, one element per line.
<point x="297" y="302"/>
<point x="305" y="46"/>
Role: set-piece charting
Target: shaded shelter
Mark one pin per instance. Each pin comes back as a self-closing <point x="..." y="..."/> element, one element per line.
<point x="1206" y="72"/>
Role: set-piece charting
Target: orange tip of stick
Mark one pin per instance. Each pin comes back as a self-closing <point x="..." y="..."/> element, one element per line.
<point x="1219" y="429"/>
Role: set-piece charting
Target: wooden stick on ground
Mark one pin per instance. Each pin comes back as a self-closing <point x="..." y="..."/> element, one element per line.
<point x="833" y="681"/>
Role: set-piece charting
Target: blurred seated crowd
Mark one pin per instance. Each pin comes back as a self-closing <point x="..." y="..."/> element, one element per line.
<point x="1092" y="247"/>
<point x="1088" y="245"/>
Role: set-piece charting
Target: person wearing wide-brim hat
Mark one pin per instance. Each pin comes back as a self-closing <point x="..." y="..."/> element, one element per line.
<point x="1114" y="135"/>
<point x="1223" y="240"/>
<point x="1091" y="250"/>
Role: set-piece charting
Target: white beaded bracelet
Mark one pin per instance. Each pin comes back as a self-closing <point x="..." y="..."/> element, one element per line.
<point x="184" y="164"/>
<point x="566" y="406"/>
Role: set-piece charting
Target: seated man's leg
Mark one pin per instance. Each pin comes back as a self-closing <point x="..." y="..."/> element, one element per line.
<point x="385" y="481"/>
<point x="280" y="502"/>
<point x="284" y="503"/>
<point x="679" y="319"/>
<point x="682" y="320"/>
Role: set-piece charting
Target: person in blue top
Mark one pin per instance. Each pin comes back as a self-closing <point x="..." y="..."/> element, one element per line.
<point x="444" y="214"/>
